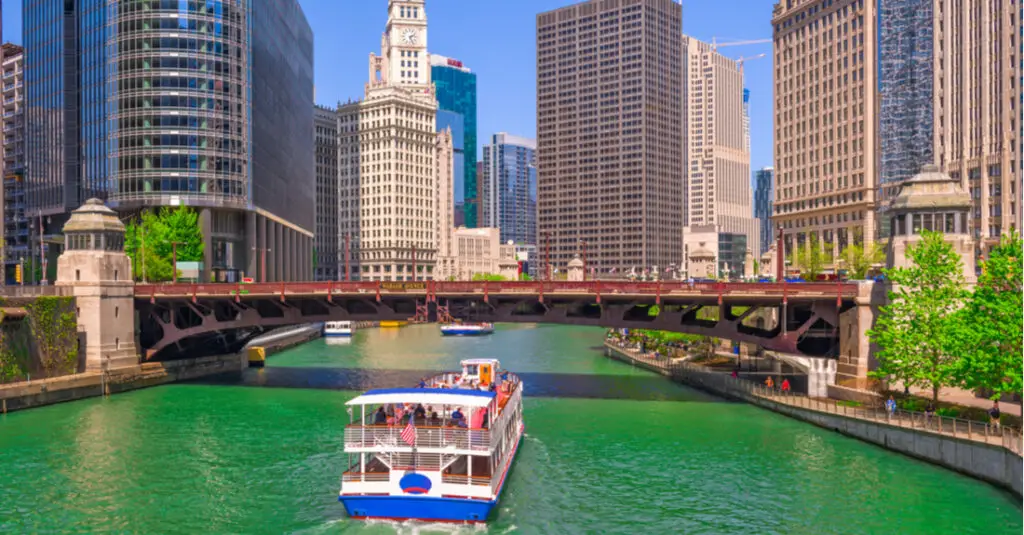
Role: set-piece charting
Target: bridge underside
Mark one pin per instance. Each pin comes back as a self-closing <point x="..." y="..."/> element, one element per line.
<point x="172" y="328"/>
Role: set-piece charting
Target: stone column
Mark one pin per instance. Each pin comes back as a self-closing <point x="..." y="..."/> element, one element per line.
<point x="206" y="226"/>
<point x="279" y="252"/>
<point x="250" y="243"/>
<point x="261" y="246"/>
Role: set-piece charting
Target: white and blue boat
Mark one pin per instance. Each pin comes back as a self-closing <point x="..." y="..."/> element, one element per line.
<point x="466" y="329"/>
<point x="438" y="453"/>
<point x="337" y="328"/>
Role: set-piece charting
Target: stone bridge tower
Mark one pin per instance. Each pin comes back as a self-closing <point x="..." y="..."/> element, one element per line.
<point x="96" y="268"/>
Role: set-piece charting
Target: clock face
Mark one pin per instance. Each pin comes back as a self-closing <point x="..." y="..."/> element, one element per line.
<point x="409" y="36"/>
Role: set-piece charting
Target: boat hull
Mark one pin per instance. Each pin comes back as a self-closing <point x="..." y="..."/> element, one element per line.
<point x="425" y="508"/>
<point x="456" y="331"/>
<point x="337" y="334"/>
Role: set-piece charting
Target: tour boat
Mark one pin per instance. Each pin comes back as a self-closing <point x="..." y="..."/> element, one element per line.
<point x="338" y="328"/>
<point x="440" y="452"/>
<point x="466" y="329"/>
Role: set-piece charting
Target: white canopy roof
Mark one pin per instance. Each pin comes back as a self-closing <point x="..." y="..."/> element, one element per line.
<point x="426" y="397"/>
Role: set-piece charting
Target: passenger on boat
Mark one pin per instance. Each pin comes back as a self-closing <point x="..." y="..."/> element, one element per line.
<point x="381" y="417"/>
<point x="435" y="420"/>
<point x="423" y="382"/>
<point x="420" y="412"/>
<point x="457" y="418"/>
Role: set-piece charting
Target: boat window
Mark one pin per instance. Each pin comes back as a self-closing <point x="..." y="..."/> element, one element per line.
<point x="471" y="369"/>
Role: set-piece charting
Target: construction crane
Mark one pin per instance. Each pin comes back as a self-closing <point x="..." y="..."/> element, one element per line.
<point x="715" y="44"/>
<point x="741" y="60"/>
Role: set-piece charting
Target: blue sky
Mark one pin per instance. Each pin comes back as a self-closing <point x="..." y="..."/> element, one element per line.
<point x="496" y="39"/>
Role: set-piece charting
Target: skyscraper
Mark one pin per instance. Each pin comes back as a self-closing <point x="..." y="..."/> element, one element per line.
<point x="405" y="194"/>
<point x="717" y="176"/>
<point x="327" y="254"/>
<point x="949" y="96"/>
<point x="609" y="150"/>
<point x="509" y="188"/>
<point x="161" y="103"/>
<point x="764" y="194"/>
<point x="16" y="228"/>
<point x="825" y="121"/>
<point x="456" y="123"/>
<point x="456" y="94"/>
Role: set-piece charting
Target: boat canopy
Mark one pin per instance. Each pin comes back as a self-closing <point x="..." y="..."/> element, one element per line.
<point x="481" y="361"/>
<point x="426" y="396"/>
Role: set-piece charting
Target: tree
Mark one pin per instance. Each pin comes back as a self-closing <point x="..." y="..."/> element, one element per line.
<point x="179" y="225"/>
<point x="487" y="277"/>
<point x="859" y="257"/>
<point x="913" y="331"/>
<point x="811" y="258"/>
<point x="525" y="277"/>
<point x="988" y="336"/>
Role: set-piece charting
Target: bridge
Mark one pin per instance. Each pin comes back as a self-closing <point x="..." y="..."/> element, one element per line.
<point x="179" y="320"/>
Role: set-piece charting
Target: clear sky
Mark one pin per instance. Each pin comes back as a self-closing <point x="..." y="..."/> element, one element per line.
<point x="497" y="40"/>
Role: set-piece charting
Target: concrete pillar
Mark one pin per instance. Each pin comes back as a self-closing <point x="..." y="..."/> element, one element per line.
<point x="856" y="354"/>
<point x="261" y="245"/>
<point x="206" y="225"/>
<point x="280" y="252"/>
<point x="250" y="244"/>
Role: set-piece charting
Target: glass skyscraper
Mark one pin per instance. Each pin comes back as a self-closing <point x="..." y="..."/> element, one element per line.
<point x="457" y="123"/>
<point x="204" y="103"/>
<point x="509" y="188"/>
<point x="764" y="195"/>
<point x="456" y="92"/>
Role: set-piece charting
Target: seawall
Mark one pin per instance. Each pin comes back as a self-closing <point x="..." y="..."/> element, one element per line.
<point x="988" y="458"/>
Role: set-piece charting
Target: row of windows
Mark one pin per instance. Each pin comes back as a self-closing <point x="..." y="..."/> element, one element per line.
<point x="193" y="44"/>
<point x="177" y="82"/>
<point x="182" y="161"/>
<point x="222" y="124"/>
<point x="179" y="101"/>
<point x="179" y="63"/>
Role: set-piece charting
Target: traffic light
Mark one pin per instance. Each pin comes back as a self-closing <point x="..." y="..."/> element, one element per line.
<point x="17" y="273"/>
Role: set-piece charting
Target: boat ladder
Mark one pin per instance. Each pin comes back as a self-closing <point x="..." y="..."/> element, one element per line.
<point x="388" y="457"/>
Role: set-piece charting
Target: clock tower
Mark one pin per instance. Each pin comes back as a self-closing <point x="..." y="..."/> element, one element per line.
<point x="405" y="44"/>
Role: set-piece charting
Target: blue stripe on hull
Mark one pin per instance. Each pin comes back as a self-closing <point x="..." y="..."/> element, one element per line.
<point x="417" y="508"/>
<point x="454" y="332"/>
<point x="337" y="335"/>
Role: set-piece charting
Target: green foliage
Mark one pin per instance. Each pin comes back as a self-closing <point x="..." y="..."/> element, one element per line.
<point x="988" y="333"/>
<point x="55" y="330"/>
<point x="859" y="257"/>
<point x="525" y="277"/>
<point x="150" y="240"/>
<point x="913" y="331"/>
<point x="488" y="277"/>
<point x="812" y="258"/>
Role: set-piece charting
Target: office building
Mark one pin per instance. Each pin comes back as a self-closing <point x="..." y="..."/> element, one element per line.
<point x="456" y="94"/>
<point x="403" y="175"/>
<point x="509" y="188"/>
<point x="210" y="106"/>
<point x="16" y="227"/>
<point x="327" y="254"/>
<point x="456" y="124"/>
<point x="349" y="214"/>
<point x="950" y="93"/>
<point x="609" y="150"/>
<point x="717" y="176"/>
<point x="764" y="194"/>
<point x="479" y="251"/>
<point x="825" y="121"/>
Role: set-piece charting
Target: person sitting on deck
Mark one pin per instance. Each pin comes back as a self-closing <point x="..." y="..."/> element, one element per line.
<point x="457" y="418"/>
<point x="420" y="413"/>
<point x="381" y="417"/>
<point x="435" y="420"/>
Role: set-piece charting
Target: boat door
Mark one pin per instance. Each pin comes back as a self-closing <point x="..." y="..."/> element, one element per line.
<point x="485" y="374"/>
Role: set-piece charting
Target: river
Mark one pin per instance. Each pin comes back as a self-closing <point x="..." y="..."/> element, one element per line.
<point x="609" y="449"/>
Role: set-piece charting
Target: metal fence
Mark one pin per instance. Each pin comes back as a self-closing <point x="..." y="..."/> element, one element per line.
<point x="1007" y="437"/>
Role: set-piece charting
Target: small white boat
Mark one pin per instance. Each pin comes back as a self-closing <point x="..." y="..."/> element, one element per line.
<point x="338" y="328"/>
<point x="466" y="329"/>
<point x="440" y="452"/>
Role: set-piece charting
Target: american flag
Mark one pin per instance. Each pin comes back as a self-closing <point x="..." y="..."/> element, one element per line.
<point x="409" y="433"/>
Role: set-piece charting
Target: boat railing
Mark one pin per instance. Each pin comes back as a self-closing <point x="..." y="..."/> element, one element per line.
<point x="370" y="436"/>
<point x="353" y="476"/>
<point x="462" y="479"/>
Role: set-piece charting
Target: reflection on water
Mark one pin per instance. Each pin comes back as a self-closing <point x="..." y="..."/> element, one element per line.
<point x="338" y="341"/>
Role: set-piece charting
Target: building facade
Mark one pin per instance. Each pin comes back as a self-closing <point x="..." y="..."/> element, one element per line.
<point x="509" y="187"/>
<point x="949" y="94"/>
<point x="328" y="259"/>
<point x="456" y="94"/>
<point x="391" y="153"/>
<point x="16" y="224"/>
<point x="764" y="194"/>
<point x="825" y="121"/>
<point x="717" y="175"/>
<point x="609" y="150"/>
<point x="479" y="251"/>
<point x="349" y="197"/>
<point x="159" y="103"/>
<point x="456" y="124"/>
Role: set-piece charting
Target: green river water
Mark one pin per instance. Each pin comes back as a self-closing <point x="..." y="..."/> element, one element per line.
<point x="609" y="449"/>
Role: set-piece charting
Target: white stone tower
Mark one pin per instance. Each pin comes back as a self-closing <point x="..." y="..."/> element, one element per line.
<point x="99" y="272"/>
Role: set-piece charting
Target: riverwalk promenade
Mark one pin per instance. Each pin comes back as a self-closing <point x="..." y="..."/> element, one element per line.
<point x="978" y="449"/>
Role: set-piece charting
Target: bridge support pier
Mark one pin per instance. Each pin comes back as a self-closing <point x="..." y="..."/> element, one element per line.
<point x="821" y="372"/>
<point x="856" y="353"/>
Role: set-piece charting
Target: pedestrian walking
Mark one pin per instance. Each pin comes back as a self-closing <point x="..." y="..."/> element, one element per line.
<point x="994" y="415"/>
<point x="890" y="406"/>
<point x="785" y="385"/>
<point x="769" y="382"/>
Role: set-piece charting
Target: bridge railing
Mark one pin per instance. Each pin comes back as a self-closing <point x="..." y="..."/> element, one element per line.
<point x="35" y="291"/>
<point x="496" y="287"/>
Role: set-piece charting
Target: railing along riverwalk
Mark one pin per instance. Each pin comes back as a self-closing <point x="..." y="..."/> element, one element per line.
<point x="1007" y="437"/>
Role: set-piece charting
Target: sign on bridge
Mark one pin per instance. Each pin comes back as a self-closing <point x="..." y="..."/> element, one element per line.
<point x="402" y="286"/>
